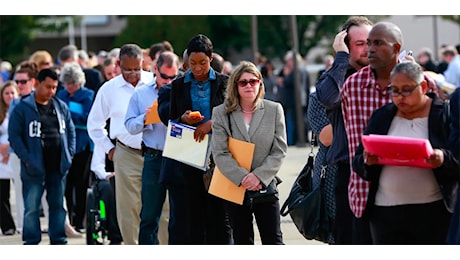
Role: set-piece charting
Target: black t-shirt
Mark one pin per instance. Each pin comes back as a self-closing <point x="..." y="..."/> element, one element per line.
<point x="51" y="141"/>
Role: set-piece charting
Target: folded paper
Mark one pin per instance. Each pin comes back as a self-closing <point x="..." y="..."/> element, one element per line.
<point x="153" y="117"/>
<point x="221" y="186"/>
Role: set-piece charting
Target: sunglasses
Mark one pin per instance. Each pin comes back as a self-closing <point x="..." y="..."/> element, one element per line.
<point x="242" y="83"/>
<point x="21" y="81"/>
<point x="164" y="76"/>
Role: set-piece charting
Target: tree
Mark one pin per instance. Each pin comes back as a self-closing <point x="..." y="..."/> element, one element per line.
<point x="453" y="18"/>
<point x="230" y="32"/>
<point x="18" y="31"/>
<point x="146" y="30"/>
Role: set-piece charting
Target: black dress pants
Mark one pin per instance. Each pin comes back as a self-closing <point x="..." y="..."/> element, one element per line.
<point x="343" y="214"/>
<point x="6" y="218"/>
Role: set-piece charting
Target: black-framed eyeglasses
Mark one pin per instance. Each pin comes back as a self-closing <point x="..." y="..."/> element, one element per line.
<point x="22" y="81"/>
<point x="164" y="76"/>
<point x="404" y="93"/>
<point x="242" y="83"/>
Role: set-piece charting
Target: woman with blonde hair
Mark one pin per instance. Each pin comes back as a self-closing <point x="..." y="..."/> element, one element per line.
<point x="8" y="91"/>
<point x="245" y="115"/>
<point x="42" y="59"/>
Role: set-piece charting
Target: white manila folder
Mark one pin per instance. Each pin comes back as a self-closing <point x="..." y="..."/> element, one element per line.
<point x="181" y="146"/>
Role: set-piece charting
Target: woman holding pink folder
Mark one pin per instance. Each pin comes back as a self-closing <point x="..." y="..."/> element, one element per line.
<point x="410" y="205"/>
<point x="245" y="115"/>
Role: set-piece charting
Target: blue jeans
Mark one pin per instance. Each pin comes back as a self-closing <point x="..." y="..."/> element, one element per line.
<point x="153" y="196"/>
<point x="32" y="191"/>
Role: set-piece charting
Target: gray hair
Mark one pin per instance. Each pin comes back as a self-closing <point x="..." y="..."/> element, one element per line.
<point x="167" y="58"/>
<point x="71" y="72"/>
<point x="131" y="50"/>
<point x="410" y="69"/>
<point x="83" y="55"/>
<point x="68" y="52"/>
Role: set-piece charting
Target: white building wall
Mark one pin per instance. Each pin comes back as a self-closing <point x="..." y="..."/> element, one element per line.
<point x="420" y="31"/>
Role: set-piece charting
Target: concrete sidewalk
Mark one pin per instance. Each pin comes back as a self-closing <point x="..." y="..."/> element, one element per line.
<point x="294" y="162"/>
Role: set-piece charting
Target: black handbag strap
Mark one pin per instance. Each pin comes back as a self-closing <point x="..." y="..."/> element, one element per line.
<point x="229" y="124"/>
<point x="310" y="164"/>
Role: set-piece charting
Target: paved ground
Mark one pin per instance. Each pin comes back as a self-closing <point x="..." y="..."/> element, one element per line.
<point x="295" y="160"/>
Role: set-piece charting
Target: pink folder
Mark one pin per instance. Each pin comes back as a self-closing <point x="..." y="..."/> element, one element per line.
<point x="397" y="150"/>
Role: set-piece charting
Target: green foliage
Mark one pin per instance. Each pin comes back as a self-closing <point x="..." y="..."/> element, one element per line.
<point x="146" y="30"/>
<point x="229" y="33"/>
<point x="453" y="18"/>
<point x="232" y="33"/>
<point x="18" y="31"/>
<point x="15" y="35"/>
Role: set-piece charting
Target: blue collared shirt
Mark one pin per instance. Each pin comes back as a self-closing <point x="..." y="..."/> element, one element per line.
<point x="201" y="93"/>
<point x="153" y="135"/>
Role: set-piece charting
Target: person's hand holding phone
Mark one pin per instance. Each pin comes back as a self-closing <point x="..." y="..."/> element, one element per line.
<point x="339" y="42"/>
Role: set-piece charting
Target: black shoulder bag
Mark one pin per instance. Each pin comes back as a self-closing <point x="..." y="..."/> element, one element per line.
<point x="306" y="205"/>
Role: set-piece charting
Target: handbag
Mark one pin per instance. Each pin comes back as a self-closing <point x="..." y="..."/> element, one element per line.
<point x="207" y="175"/>
<point x="306" y="205"/>
<point x="267" y="194"/>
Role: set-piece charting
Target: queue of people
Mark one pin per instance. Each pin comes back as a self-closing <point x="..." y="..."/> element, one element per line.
<point x="54" y="139"/>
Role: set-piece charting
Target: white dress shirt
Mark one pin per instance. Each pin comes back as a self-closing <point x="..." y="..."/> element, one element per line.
<point x="112" y="102"/>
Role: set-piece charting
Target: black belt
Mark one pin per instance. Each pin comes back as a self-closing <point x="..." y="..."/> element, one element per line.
<point x="139" y="151"/>
<point x="152" y="151"/>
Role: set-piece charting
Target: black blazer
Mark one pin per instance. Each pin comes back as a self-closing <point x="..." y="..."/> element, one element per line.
<point x="447" y="175"/>
<point x="173" y="107"/>
<point x="181" y="100"/>
<point x="93" y="78"/>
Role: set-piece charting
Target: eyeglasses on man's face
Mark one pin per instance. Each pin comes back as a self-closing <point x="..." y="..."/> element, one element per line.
<point x="405" y="93"/>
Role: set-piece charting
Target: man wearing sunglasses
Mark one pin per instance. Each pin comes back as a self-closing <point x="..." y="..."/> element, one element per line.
<point x="153" y="193"/>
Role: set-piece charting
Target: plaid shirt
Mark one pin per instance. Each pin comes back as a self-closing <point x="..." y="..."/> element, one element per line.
<point x="361" y="95"/>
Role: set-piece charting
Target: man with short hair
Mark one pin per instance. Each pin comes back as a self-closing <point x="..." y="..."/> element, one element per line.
<point x="153" y="139"/>
<point x="42" y="134"/>
<point x="112" y="102"/>
<point x="93" y="77"/>
<point x="362" y="93"/>
<point x="351" y="48"/>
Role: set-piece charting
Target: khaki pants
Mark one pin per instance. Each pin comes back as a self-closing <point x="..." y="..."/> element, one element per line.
<point x="128" y="170"/>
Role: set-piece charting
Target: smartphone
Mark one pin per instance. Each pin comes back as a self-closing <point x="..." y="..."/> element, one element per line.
<point x="195" y="114"/>
<point x="347" y="39"/>
<point x="409" y="53"/>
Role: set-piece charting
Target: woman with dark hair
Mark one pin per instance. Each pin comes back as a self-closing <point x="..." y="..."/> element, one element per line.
<point x="410" y="204"/>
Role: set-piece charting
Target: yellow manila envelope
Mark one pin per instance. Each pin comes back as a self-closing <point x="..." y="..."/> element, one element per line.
<point x="153" y="117"/>
<point x="221" y="186"/>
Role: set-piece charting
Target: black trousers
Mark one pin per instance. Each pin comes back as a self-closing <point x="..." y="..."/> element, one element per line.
<point x="6" y="218"/>
<point x="343" y="214"/>
<point x="268" y="221"/>
<point x="206" y="215"/>
<point x="76" y="186"/>
<point x="105" y="190"/>
<point x="413" y="224"/>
